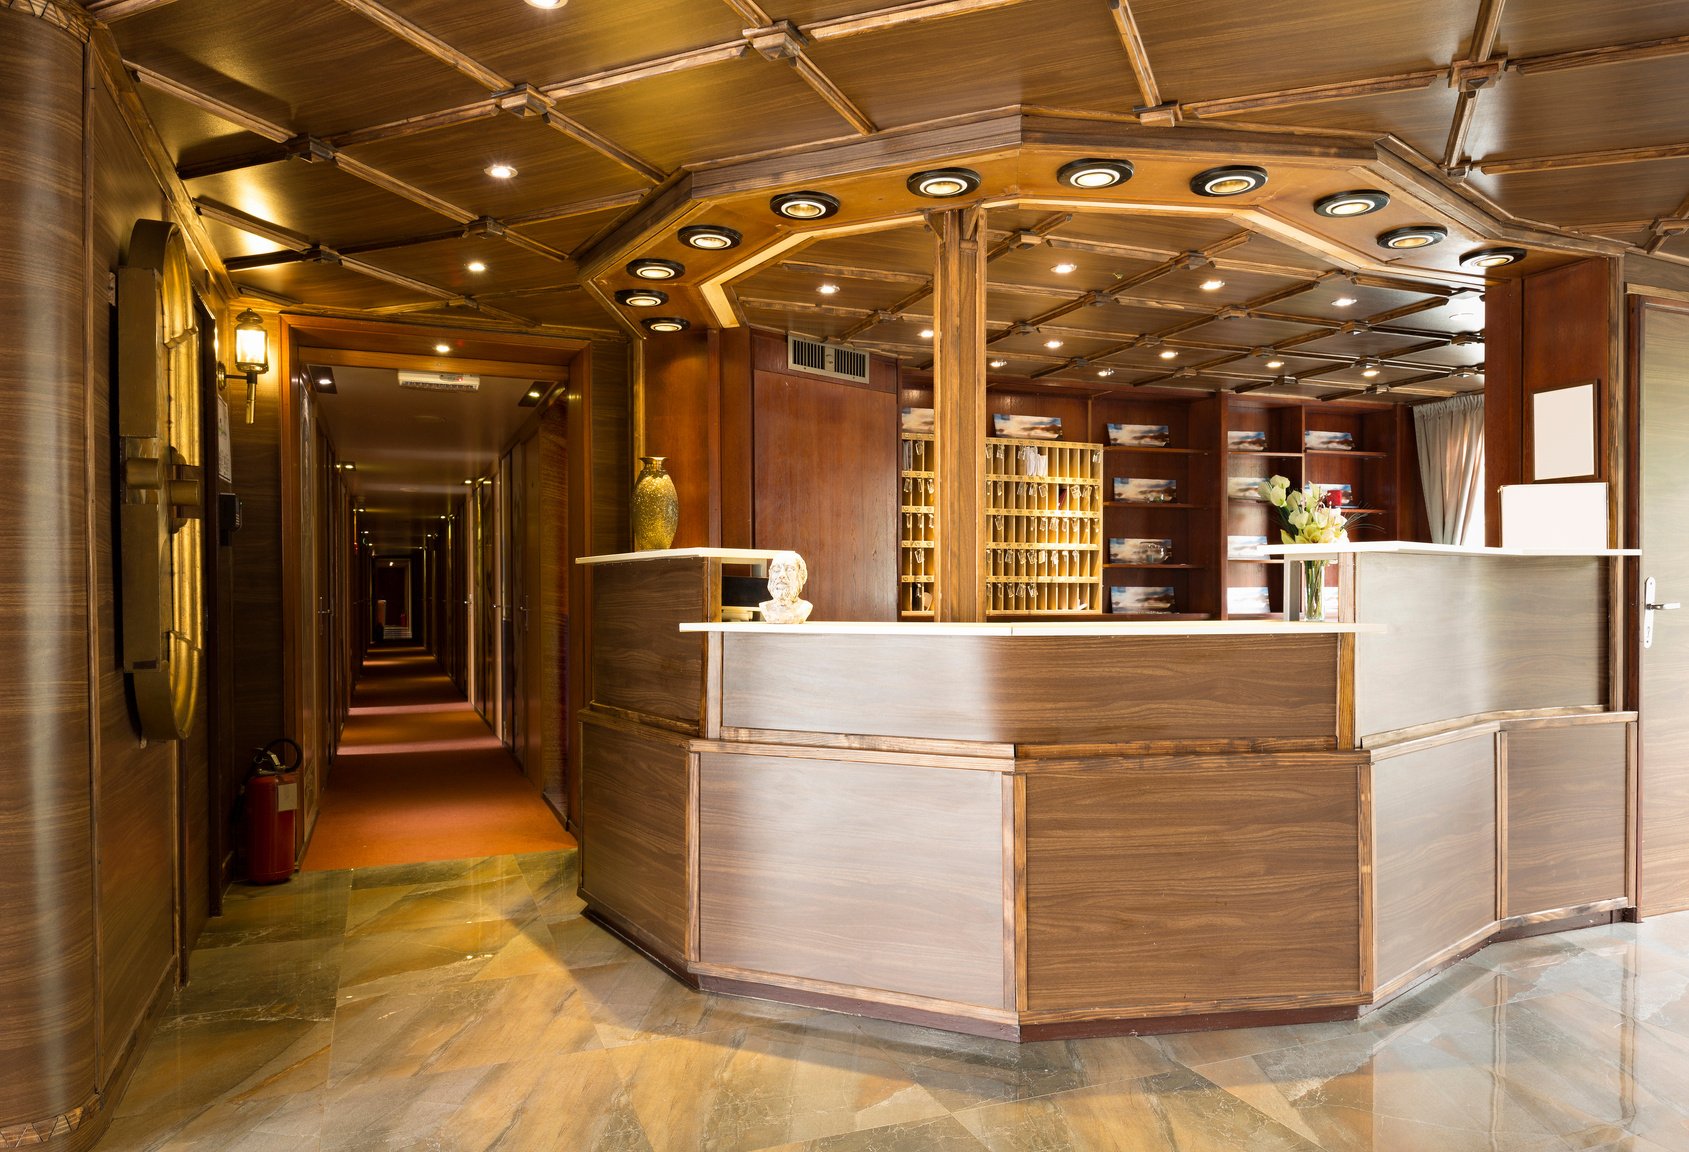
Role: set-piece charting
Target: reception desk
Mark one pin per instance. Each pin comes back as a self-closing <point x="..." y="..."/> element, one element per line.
<point x="1034" y="830"/>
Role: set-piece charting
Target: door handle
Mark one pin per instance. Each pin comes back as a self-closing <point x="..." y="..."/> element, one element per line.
<point x="1651" y="606"/>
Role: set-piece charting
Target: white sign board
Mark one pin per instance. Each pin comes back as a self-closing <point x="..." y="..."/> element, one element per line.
<point x="1572" y="517"/>
<point x="1563" y="433"/>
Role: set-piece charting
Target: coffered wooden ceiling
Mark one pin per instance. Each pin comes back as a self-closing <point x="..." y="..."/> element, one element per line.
<point x="337" y="149"/>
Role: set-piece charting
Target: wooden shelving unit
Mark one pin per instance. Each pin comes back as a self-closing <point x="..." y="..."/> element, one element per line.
<point x="1043" y="508"/>
<point x="917" y="526"/>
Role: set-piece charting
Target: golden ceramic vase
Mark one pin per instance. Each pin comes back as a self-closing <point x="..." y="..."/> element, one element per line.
<point x="656" y="507"/>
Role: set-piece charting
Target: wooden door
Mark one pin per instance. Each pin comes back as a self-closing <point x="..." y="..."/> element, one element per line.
<point x="1661" y="338"/>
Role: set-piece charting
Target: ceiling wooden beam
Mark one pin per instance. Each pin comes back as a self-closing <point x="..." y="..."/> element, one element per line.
<point x="749" y="12"/>
<point x="1316" y="93"/>
<point x="239" y="117"/>
<point x="428" y="43"/>
<point x="1597" y="57"/>
<point x="413" y="125"/>
<point x="111" y="11"/>
<point x="647" y="69"/>
<point x="359" y="358"/>
<point x="1136" y="54"/>
<point x="235" y="218"/>
<point x="1582" y="159"/>
<point x="603" y="145"/>
<point x="1471" y="76"/>
<point x="1667" y="227"/>
<point x="897" y="16"/>
<point x="830" y="92"/>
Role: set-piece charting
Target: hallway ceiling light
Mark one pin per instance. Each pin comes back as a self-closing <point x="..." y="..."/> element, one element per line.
<point x="999" y="363"/>
<point x="667" y="324"/>
<point x="709" y="237"/>
<point x="1230" y="180"/>
<point x="322" y="379"/>
<point x="1094" y="173"/>
<point x="943" y="183"/>
<point x="547" y="4"/>
<point x="1105" y="372"/>
<point x="1275" y="363"/>
<point x="641" y="297"/>
<point x="346" y="465"/>
<point x="500" y="171"/>
<point x="1343" y="302"/>
<point x="926" y="333"/>
<point x="1168" y="353"/>
<point x="1493" y="257"/>
<point x="827" y="289"/>
<point x="1358" y="203"/>
<point x="1052" y="344"/>
<point x="475" y="266"/>
<point x="804" y="205"/>
<point x="1064" y="268"/>
<point x="1213" y="285"/>
<point x="1369" y="368"/>
<point x="650" y="268"/>
<point x="1413" y="236"/>
<point x="442" y="349"/>
<point x="469" y="482"/>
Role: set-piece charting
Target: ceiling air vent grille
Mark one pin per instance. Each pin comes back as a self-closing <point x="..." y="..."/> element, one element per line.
<point x="439" y="382"/>
<point x="823" y="359"/>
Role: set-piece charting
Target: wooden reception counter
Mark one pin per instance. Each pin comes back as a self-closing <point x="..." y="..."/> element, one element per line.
<point x="1031" y="830"/>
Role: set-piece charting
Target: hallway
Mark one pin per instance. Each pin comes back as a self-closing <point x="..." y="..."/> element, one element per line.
<point x="420" y="777"/>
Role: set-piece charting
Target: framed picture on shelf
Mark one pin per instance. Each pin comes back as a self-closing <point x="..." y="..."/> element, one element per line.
<point x="1245" y="487"/>
<point x="1245" y="547"/>
<point x="1022" y="427"/>
<point x="1248" y="601"/>
<point x="1321" y="440"/>
<point x="1246" y="440"/>
<point x="1140" y="600"/>
<point x="1347" y="490"/>
<point x="1139" y="435"/>
<point x="917" y="421"/>
<point x="1138" y="550"/>
<point x="1145" y="490"/>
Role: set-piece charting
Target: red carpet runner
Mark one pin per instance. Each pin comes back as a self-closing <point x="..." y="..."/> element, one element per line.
<point x="420" y="776"/>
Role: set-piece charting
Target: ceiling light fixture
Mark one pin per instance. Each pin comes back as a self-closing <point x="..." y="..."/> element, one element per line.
<point x="649" y="268"/>
<point x="1230" y="180"/>
<point x="641" y="297"/>
<point x="1094" y="174"/>
<point x="1493" y="257"/>
<point x="926" y="333"/>
<point x="1213" y="285"/>
<point x="475" y="266"/>
<point x="1052" y="344"/>
<point x="943" y="183"/>
<point x="252" y="357"/>
<point x="666" y="324"/>
<point x="1358" y="203"/>
<point x="1369" y="368"/>
<point x="804" y="205"/>
<point x="1413" y="236"/>
<point x="827" y="289"/>
<point x="547" y="4"/>
<point x="1168" y="353"/>
<point x="709" y="237"/>
<point x="1105" y="371"/>
<point x="500" y="171"/>
<point x="1343" y="302"/>
<point x="1275" y="363"/>
<point x="1064" y="268"/>
<point x="999" y="363"/>
<point x="442" y="349"/>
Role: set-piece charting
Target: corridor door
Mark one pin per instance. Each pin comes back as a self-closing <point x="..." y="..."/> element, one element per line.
<point x="1660" y="335"/>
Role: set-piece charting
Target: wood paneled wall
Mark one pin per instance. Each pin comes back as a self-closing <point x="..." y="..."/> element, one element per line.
<point x="553" y="512"/>
<point x="611" y="458"/>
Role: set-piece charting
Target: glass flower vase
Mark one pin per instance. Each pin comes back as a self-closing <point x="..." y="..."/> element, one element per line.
<point x="1313" y="590"/>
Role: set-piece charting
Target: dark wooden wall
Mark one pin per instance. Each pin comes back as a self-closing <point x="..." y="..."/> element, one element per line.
<point x="552" y="511"/>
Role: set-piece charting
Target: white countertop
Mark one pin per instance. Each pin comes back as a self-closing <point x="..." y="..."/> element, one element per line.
<point x="1051" y="628"/>
<point x="1415" y="547"/>
<point x="732" y="555"/>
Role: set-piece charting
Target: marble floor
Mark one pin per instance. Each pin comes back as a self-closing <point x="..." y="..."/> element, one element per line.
<point x="468" y="1005"/>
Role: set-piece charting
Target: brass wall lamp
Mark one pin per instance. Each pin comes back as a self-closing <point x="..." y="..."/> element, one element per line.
<point x="252" y="356"/>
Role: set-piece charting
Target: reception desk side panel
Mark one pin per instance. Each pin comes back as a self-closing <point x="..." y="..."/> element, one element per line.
<point x="634" y="844"/>
<point x="866" y="877"/>
<point x="641" y="663"/>
<point x="1166" y="885"/>
<point x="1567" y="787"/>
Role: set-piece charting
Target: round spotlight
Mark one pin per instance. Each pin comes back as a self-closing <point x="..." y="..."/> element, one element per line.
<point x="827" y="289"/>
<point x="944" y="183"/>
<point x="926" y="333"/>
<point x="1105" y="372"/>
<point x="1213" y="285"/>
<point x="1064" y="268"/>
<point x="666" y="324"/>
<point x="500" y="171"/>
<point x="475" y="266"/>
<point x="1413" y="236"/>
<point x="709" y="237"/>
<point x="1231" y="180"/>
<point x="1493" y="257"/>
<point x="649" y="268"/>
<point x="1052" y="344"/>
<point x="1358" y="203"/>
<point x="442" y="349"/>
<point x="1275" y="363"/>
<point x="1168" y="353"/>
<point x="1094" y="173"/>
<point x="547" y="3"/>
<point x="641" y="297"/>
<point x="804" y="205"/>
<point x="999" y="363"/>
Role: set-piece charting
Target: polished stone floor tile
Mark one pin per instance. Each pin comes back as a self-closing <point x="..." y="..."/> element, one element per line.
<point x="293" y="979"/>
<point x="312" y="906"/>
<point x="943" y="1135"/>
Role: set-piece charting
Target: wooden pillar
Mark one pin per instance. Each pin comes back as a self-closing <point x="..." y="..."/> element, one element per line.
<point x="958" y="402"/>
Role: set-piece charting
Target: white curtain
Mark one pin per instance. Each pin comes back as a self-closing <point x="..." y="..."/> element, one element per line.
<point x="1451" y="467"/>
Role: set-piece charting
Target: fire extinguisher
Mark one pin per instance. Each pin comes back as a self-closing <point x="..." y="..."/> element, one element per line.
<point x="272" y="806"/>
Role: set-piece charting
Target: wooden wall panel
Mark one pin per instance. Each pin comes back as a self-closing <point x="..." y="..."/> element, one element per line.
<point x="611" y="460"/>
<point x="826" y="486"/>
<point x="1434" y="843"/>
<point x="257" y="643"/>
<point x="1022" y="689"/>
<point x="1504" y="414"/>
<point x="641" y="661"/>
<point x="678" y="396"/>
<point x="1180" y="881"/>
<point x="1567" y="341"/>
<point x="1566" y="799"/>
<point x="877" y="876"/>
<point x="633" y="856"/>
<point x="1469" y="635"/>
<point x="738" y="480"/>
<point x="554" y="511"/>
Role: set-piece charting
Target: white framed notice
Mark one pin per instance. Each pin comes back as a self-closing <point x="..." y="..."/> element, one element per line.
<point x="1563" y="433"/>
<point x="1571" y="517"/>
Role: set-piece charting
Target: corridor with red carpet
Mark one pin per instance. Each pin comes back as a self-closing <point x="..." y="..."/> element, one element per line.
<point x="419" y="776"/>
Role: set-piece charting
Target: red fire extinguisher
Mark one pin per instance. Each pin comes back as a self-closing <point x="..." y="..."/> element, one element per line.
<point x="272" y="805"/>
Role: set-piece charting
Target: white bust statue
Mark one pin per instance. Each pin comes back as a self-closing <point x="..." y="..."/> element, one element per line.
<point x="787" y="574"/>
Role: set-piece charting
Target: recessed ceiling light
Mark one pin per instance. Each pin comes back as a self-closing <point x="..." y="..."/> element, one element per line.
<point x="641" y="297"/>
<point x="999" y="363"/>
<point x="1105" y="371"/>
<point x="469" y="481"/>
<point x="709" y="237"/>
<point x="1213" y="285"/>
<point x="1413" y="236"/>
<point x="1231" y="180"/>
<point x="1358" y="203"/>
<point x="1168" y="353"/>
<point x="547" y="3"/>
<point x="1275" y="363"/>
<point x="500" y="171"/>
<point x="1343" y="302"/>
<point x="827" y="289"/>
<point x="667" y="324"/>
<point x="1493" y="257"/>
<point x="475" y="266"/>
<point x="1052" y="344"/>
<point x="1064" y="268"/>
<point x="1369" y="368"/>
<point x="926" y="333"/>
<point x="1094" y="173"/>
<point x="648" y="268"/>
<point x="804" y="205"/>
<point x="943" y="183"/>
<point x="442" y="349"/>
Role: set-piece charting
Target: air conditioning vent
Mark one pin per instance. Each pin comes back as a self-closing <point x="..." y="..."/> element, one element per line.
<point x="439" y="382"/>
<point x="822" y="359"/>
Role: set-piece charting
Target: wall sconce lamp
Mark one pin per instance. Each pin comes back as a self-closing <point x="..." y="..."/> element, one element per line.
<point x="252" y="356"/>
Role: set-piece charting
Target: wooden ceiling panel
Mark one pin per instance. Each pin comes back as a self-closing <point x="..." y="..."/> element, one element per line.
<point x="1420" y="119"/>
<point x="1207" y="51"/>
<point x="570" y="233"/>
<point x="1247" y="332"/>
<point x="719" y="111"/>
<point x="328" y="286"/>
<point x="192" y="135"/>
<point x="1538" y="26"/>
<point x="445" y="264"/>
<point x="1380" y="344"/>
<point x="451" y="163"/>
<point x="320" y="203"/>
<point x="231" y="242"/>
<point x="1591" y="195"/>
<point x="309" y="65"/>
<point x="800" y="287"/>
<point x="415" y="340"/>
<point x="808" y="322"/>
<point x="1092" y="271"/>
<point x="907" y="250"/>
<point x="1054" y="53"/>
<point x="567" y="310"/>
<point x="1006" y="306"/>
<point x="1630" y="105"/>
<point x="546" y="46"/>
